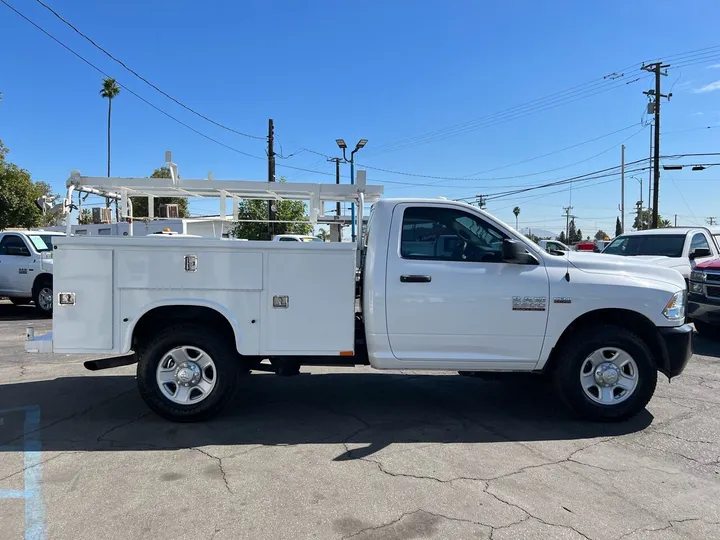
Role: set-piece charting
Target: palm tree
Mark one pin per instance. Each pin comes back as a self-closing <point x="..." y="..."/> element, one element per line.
<point x="110" y="90"/>
<point x="516" y="211"/>
<point x="324" y="235"/>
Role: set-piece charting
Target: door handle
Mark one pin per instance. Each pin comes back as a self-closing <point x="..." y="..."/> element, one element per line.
<point x="415" y="279"/>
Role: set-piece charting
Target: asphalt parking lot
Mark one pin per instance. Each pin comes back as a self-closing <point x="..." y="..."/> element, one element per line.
<point x="340" y="454"/>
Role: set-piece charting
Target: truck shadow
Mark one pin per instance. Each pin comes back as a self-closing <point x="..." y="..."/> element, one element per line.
<point x="10" y="312"/>
<point x="705" y="346"/>
<point x="372" y="411"/>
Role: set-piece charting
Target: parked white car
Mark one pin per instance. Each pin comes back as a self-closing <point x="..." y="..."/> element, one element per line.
<point x="195" y="313"/>
<point x="295" y="238"/>
<point x="26" y="268"/>
<point x="679" y="248"/>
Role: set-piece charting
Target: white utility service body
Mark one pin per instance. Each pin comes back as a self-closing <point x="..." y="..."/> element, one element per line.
<point x="191" y="311"/>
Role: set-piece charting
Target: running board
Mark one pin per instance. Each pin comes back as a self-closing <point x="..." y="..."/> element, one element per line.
<point x="107" y="363"/>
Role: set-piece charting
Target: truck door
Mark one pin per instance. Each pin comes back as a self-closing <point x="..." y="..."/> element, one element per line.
<point x="15" y="262"/>
<point x="464" y="307"/>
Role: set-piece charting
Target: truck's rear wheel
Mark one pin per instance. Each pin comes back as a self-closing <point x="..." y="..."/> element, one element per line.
<point x="187" y="373"/>
<point x="606" y="374"/>
<point x="43" y="297"/>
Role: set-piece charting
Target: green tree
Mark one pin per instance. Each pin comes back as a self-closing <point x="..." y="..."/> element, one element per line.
<point x="257" y="210"/>
<point x="561" y="238"/>
<point x="323" y="234"/>
<point x="85" y="217"/>
<point x="109" y="91"/>
<point x="618" y="227"/>
<point x="643" y="221"/>
<point x="18" y="194"/>
<point x="572" y="236"/>
<point x="516" y="211"/>
<point x="140" y="206"/>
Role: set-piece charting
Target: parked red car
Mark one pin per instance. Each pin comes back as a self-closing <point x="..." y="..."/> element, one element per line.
<point x="585" y="246"/>
<point x="704" y="297"/>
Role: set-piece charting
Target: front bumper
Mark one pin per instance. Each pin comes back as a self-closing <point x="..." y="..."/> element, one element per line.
<point x="704" y="309"/>
<point x="677" y="345"/>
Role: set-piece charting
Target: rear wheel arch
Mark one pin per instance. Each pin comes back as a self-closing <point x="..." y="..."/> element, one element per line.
<point x="158" y="318"/>
<point x="633" y="321"/>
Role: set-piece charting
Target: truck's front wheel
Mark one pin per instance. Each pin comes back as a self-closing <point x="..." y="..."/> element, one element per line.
<point x="187" y="373"/>
<point x="43" y="297"/>
<point x="606" y="374"/>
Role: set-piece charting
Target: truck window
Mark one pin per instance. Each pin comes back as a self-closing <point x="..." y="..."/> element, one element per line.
<point x="12" y="244"/>
<point x="433" y="233"/>
<point x="699" y="241"/>
<point x="667" y="245"/>
<point x="286" y="239"/>
<point x="42" y="242"/>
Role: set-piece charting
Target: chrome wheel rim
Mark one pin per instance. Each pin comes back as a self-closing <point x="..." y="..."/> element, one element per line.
<point x="609" y="376"/>
<point x="45" y="299"/>
<point x="186" y="375"/>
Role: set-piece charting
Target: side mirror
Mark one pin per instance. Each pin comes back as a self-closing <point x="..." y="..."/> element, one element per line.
<point x="513" y="252"/>
<point x="699" y="252"/>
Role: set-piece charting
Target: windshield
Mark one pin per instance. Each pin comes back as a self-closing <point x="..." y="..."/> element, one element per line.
<point x="666" y="245"/>
<point x="42" y="242"/>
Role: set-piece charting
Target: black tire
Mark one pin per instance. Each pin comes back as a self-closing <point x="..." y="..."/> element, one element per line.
<point x="19" y="301"/>
<point x="41" y="286"/>
<point x="707" y="330"/>
<point x="220" y="348"/>
<point x="579" y="347"/>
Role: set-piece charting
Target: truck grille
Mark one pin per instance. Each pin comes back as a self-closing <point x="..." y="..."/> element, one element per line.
<point x="712" y="277"/>
<point x="713" y="291"/>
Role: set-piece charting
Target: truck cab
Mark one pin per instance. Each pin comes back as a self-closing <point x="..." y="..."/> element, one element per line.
<point x="26" y="268"/>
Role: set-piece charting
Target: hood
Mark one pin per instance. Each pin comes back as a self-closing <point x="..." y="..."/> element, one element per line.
<point x="712" y="264"/>
<point x="661" y="260"/>
<point x="640" y="266"/>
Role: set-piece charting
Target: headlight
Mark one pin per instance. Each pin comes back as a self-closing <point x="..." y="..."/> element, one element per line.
<point x="696" y="287"/>
<point x="697" y="276"/>
<point x="675" y="308"/>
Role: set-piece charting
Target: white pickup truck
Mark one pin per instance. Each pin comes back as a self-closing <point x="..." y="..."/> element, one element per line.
<point x="195" y="314"/>
<point x="26" y="268"/>
<point x="679" y="248"/>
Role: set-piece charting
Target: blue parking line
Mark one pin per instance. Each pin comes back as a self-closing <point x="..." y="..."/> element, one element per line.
<point x="32" y="454"/>
<point x="12" y="494"/>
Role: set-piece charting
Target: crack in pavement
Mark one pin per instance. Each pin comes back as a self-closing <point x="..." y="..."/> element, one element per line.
<point x="666" y="451"/>
<point x="408" y="514"/>
<point x="670" y="525"/>
<point x="499" y="499"/>
<point x="43" y="462"/>
<point x="69" y="417"/>
<point x="121" y="425"/>
<point x="219" y="464"/>
<point x="678" y="437"/>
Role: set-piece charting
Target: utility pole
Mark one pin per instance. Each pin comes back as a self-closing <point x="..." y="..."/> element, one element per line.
<point x="481" y="201"/>
<point x="639" y="213"/>
<point x="676" y="220"/>
<point x="271" y="175"/>
<point x="567" y="222"/>
<point x="712" y="220"/>
<point x="656" y="67"/>
<point x="650" y="172"/>
<point x="338" y="227"/>
<point x="622" y="188"/>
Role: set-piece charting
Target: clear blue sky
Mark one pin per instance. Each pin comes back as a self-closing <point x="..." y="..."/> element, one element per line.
<point x="385" y="71"/>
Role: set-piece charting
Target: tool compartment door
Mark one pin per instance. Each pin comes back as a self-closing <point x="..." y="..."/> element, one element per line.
<point x="87" y="325"/>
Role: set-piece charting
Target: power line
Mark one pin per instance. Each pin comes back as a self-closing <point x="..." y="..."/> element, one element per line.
<point x="123" y="64"/>
<point x="526" y="175"/>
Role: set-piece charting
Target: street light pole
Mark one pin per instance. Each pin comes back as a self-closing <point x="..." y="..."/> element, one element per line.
<point x="343" y="146"/>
